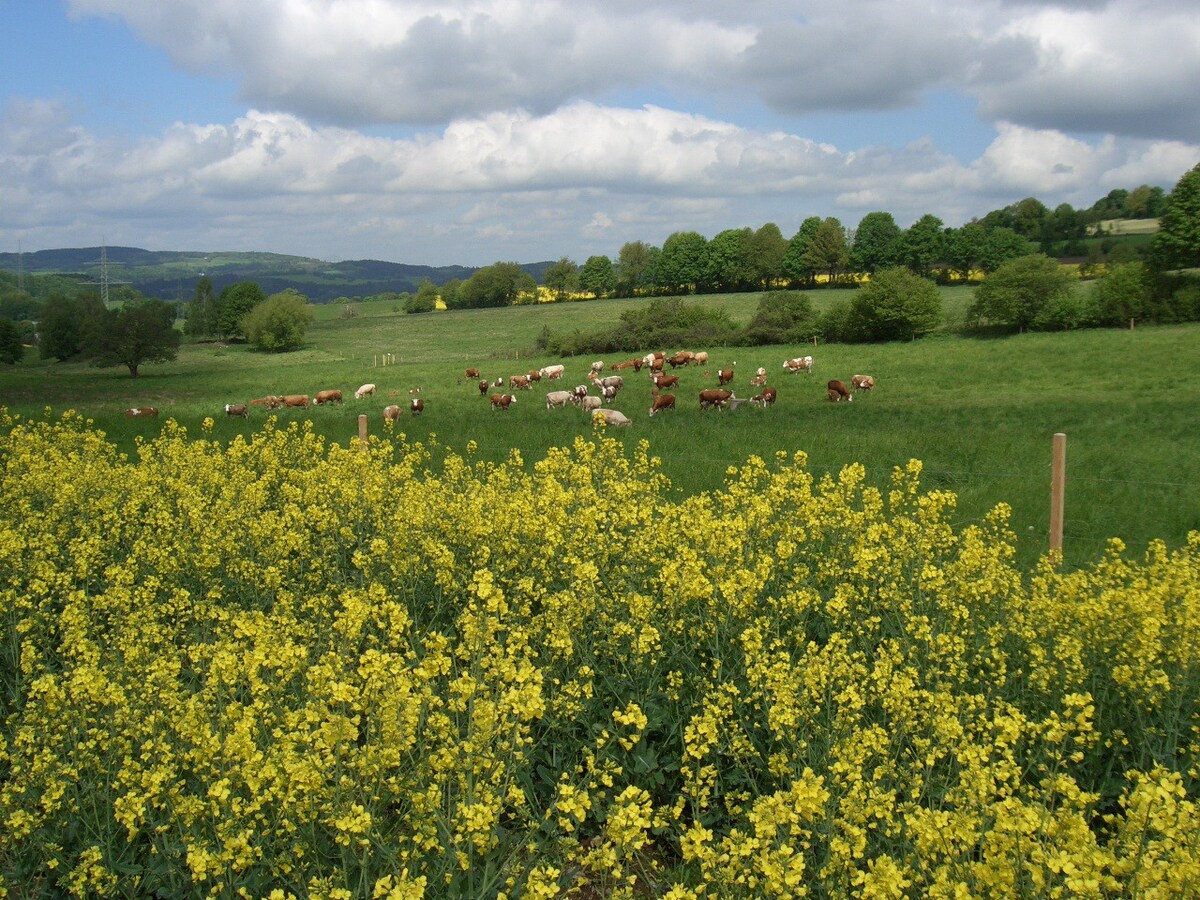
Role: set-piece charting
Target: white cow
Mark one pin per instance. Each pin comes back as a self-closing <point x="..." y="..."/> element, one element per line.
<point x="367" y="390"/>
<point x="550" y="373"/>
<point x="799" y="364"/>
<point x="559" y="398"/>
<point x="610" y="417"/>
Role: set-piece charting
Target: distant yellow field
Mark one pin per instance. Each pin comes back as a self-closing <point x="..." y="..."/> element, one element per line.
<point x="1125" y="226"/>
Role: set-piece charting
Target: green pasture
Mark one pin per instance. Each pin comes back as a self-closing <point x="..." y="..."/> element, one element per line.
<point x="980" y="413"/>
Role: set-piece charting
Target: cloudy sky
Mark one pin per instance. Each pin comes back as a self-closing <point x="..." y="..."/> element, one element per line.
<point x="472" y="131"/>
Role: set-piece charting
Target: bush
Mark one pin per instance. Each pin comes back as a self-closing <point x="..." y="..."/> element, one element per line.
<point x="11" y="348"/>
<point x="1121" y="294"/>
<point x="784" y="317"/>
<point x="1017" y="292"/>
<point x="279" y="323"/>
<point x="894" y="305"/>
<point x="659" y="323"/>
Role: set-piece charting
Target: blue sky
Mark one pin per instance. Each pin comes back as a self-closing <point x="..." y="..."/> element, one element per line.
<point x="471" y="131"/>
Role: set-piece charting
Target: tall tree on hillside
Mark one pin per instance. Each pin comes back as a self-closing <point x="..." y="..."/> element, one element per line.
<point x="633" y="267"/>
<point x="233" y="304"/>
<point x="500" y="284"/>
<point x="561" y="278"/>
<point x="727" y="264"/>
<point x="767" y="249"/>
<point x="140" y="332"/>
<point x="875" y="241"/>
<point x="795" y="259"/>
<point x="58" y="329"/>
<point x="828" y="252"/>
<point x="201" y="317"/>
<point x="682" y="266"/>
<point x="1176" y="245"/>
<point x="597" y="276"/>
<point x="921" y="245"/>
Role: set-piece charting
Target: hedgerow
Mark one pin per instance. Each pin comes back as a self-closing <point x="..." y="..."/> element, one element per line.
<point x="281" y="667"/>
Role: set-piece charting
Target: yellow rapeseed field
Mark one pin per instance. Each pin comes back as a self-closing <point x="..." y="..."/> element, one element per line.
<point x="284" y="668"/>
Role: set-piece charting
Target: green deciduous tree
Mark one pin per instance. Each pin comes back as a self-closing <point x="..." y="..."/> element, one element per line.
<point x="1176" y="245"/>
<point x="782" y="317"/>
<point x="279" y="323"/>
<point x="69" y="326"/>
<point x="767" y="249"/>
<point x="796" y="267"/>
<point x="141" y="331"/>
<point x="1002" y="245"/>
<point x="233" y="304"/>
<point x="727" y="265"/>
<point x="1016" y="294"/>
<point x="201" y="317"/>
<point x="921" y="245"/>
<point x="963" y="248"/>
<point x="875" y="242"/>
<point x="597" y="276"/>
<point x="1121" y="294"/>
<point x="424" y="300"/>
<point x="827" y="251"/>
<point x="633" y="267"/>
<point x="562" y="278"/>
<point x="500" y="284"/>
<point x="683" y="264"/>
<point x="11" y="348"/>
<point x="895" y="304"/>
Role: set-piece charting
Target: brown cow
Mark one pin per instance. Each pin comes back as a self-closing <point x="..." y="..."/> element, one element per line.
<point x="142" y="411"/>
<point x="519" y="382"/>
<point x="473" y="373"/>
<point x="502" y="401"/>
<point x="391" y="414"/>
<point x="661" y="402"/>
<point x="237" y="409"/>
<point x="717" y="398"/>
<point x="682" y="358"/>
<point x="294" y="400"/>
<point x="837" y="391"/>
<point x="666" y="381"/>
<point x="324" y="397"/>
<point x="724" y="376"/>
<point x="417" y="406"/>
<point x="765" y="399"/>
<point x="862" y="382"/>
<point x="534" y="374"/>
<point x="483" y="387"/>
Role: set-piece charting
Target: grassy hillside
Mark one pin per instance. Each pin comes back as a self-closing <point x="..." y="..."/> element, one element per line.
<point x="980" y="414"/>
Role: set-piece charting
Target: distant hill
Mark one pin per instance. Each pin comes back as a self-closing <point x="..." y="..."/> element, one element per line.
<point x="172" y="274"/>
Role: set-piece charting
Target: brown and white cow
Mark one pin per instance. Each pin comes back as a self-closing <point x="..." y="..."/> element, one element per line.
<point x="237" y="409"/>
<point x="838" y="392"/>
<point x="324" y="397"/>
<point x="765" y="399"/>
<point x="682" y="358"/>
<point x="534" y="375"/>
<point x="552" y="373"/>
<point x="714" y="397"/>
<point x="724" y="376"/>
<point x="666" y="381"/>
<point x="367" y="390"/>
<point x="661" y="402"/>
<point x="502" y="401"/>
<point x="391" y="413"/>
<point x="483" y="387"/>
<point x="862" y="382"/>
<point x="519" y="383"/>
<point x="473" y="373"/>
<point x="799" y="364"/>
<point x="142" y="411"/>
<point x="417" y="406"/>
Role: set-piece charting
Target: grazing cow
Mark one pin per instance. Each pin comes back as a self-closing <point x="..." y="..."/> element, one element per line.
<point x="296" y="399"/>
<point x="760" y="379"/>
<point x="610" y="417"/>
<point x="838" y="391"/>
<point x="553" y="373"/>
<point x="799" y="364"/>
<point x="237" y="409"/>
<point x="519" y="382"/>
<point x="724" y="376"/>
<point x="417" y="406"/>
<point x="391" y="414"/>
<point x="666" y="381"/>
<point x="502" y="401"/>
<point x="713" y="397"/>
<point x="473" y="373"/>
<point x="268" y="401"/>
<point x="559" y="398"/>
<point x="367" y="390"/>
<point x="661" y="402"/>
<point x="862" y="382"/>
<point x="768" y="396"/>
<point x="483" y="387"/>
<point x="700" y="359"/>
<point x="534" y="375"/>
<point x="682" y="358"/>
<point x="635" y="364"/>
<point x="142" y="411"/>
<point x="598" y="366"/>
<point x="589" y="404"/>
<point x="612" y="381"/>
<point x="324" y="397"/>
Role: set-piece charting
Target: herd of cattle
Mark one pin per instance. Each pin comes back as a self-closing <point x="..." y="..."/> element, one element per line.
<point x="501" y="392"/>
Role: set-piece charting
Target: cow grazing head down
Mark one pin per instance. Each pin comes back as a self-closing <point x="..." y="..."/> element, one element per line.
<point x="661" y="402"/>
<point x="715" y="398"/>
<point x="838" y="392"/>
<point x="862" y="382"/>
<point x="391" y="413"/>
<point x="237" y="409"/>
<point x="367" y="390"/>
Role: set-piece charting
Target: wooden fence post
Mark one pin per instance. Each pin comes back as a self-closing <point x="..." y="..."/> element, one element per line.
<point x="1058" y="485"/>
<point x="362" y="432"/>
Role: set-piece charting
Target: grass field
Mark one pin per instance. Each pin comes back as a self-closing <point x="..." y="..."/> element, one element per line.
<point x="980" y="413"/>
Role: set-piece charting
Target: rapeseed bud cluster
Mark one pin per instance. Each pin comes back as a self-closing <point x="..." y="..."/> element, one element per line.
<point x="285" y="668"/>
